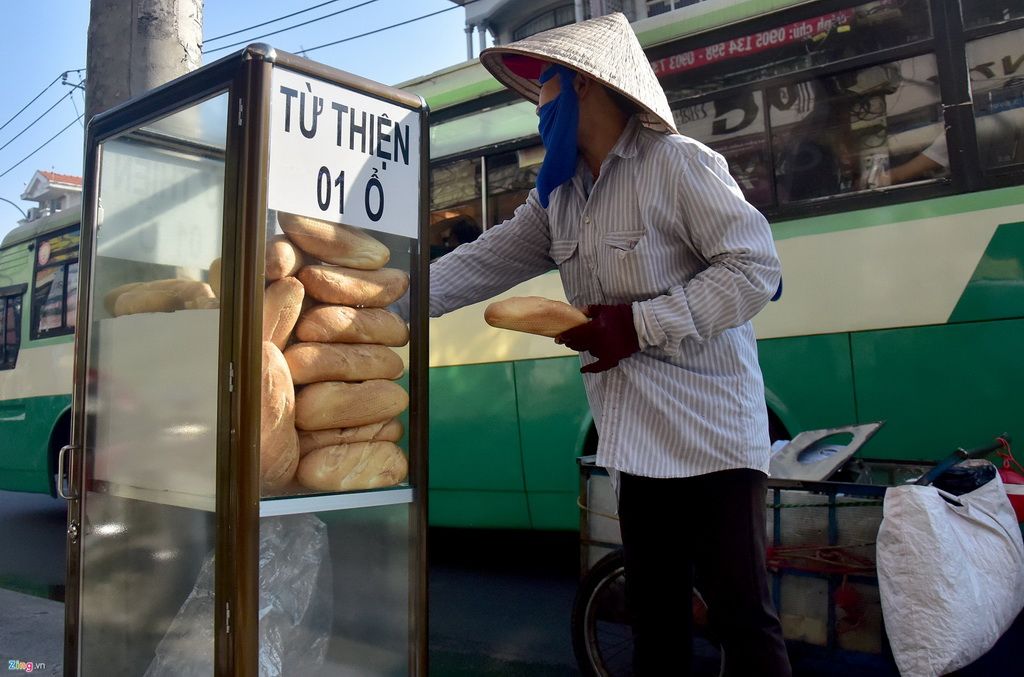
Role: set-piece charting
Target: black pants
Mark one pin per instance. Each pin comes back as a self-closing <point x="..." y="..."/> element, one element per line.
<point x="712" y="526"/>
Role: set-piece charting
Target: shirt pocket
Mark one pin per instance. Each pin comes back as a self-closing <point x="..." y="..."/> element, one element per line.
<point x="625" y="268"/>
<point x="622" y="242"/>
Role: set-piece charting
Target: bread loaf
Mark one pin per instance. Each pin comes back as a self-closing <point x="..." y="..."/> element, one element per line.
<point x="282" y="302"/>
<point x="350" y="287"/>
<point x="141" y="300"/>
<point x="202" y="304"/>
<point x="312" y="362"/>
<point x="279" y="441"/>
<point x="533" y="315"/>
<point x="334" y="243"/>
<point x="332" y="404"/>
<point x="351" y="467"/>
<point x="341" y="324"/>
<point x="186" y="290"/>
<point x="213" y="275"/>
<point x="110" y="300"/>
<point x="385" y="431"/>
<point x="158" y="296"/>
<point x="283" y="258"/>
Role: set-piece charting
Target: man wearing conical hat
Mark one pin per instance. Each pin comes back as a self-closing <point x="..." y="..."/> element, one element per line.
<point x="652" y="236"/>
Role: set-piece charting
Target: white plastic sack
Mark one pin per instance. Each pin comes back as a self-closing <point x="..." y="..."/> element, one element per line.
<point x="951" y="577"/>
<point x="296" y="606"/>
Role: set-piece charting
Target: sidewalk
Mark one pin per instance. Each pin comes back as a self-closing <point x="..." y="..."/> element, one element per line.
<point x="31" y="631"/>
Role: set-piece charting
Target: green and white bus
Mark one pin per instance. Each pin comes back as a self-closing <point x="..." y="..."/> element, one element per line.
<point x="38" y="308"/>
<point x="884" y="140"/>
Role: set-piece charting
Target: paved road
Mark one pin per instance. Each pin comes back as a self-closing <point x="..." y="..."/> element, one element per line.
<point x="32" y="528"/>
<point x="500" y="602"/>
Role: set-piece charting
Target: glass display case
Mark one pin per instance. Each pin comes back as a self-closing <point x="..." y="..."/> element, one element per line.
<point x="248" y="456"/>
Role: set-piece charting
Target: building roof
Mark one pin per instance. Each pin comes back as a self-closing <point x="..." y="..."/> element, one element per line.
<point x="46" y="185"/>
<point x="54" y="177"/>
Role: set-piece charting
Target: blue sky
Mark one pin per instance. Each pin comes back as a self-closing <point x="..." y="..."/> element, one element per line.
<point x="41" y="39"/>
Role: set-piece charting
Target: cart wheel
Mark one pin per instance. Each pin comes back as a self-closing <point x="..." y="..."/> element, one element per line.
<point x="601" y="636"/>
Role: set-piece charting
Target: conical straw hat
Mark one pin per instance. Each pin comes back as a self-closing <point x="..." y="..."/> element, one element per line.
<point x="604" y="48"/>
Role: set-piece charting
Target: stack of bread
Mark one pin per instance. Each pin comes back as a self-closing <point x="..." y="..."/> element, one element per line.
<point x="327" y="333"/>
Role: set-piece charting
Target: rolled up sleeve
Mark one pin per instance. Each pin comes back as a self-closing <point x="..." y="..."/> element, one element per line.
<point x="501" y="258"/>
<point x="736" y="241"/>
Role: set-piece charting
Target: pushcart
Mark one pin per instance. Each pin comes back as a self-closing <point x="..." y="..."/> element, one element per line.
<point x="821" y="562"/>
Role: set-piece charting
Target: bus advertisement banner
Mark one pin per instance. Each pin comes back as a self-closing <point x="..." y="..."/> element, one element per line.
<point x="798" y="31"/>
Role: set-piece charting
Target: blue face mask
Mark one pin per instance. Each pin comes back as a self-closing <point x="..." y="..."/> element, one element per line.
<point x="559" y="121"/>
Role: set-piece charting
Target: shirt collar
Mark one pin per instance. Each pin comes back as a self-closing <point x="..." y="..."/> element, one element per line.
<point x="626" y="145"/>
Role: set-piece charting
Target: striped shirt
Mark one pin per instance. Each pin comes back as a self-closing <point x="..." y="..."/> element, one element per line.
<point x="666" y="229"/>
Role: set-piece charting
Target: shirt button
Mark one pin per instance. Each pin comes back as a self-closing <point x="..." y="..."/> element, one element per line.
<point x="586" y="219"/>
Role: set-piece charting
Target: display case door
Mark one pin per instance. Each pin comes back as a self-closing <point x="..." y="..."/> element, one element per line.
<point x="147" y="399"/>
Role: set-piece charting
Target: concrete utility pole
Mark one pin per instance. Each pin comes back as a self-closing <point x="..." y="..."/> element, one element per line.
<point x="136" y="45"/>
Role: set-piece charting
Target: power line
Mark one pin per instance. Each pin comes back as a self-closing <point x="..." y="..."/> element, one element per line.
<point x="387" y="28"/>
<point x="32" y="124"/>
<point x="76" y="107"/>
<point x="14" y="166"/>
<point x="288" y="28"/>
<point x="305" y="51"/>
<point x="16" y="206"/>
<point x="32" y="101"/>
<point x="280" y="18"/>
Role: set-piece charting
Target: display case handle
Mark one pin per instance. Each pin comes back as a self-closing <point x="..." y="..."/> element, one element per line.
<point x="60" y="472"/>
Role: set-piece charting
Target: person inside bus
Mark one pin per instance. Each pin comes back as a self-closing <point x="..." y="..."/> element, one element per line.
<point x="930" y="162"/>
<point x="451" y="233"/>
<point x="652" y="236"/>
<point x="816" y="158"/>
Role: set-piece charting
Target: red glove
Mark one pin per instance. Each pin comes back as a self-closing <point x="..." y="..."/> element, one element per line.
<point x="609" y="336"/>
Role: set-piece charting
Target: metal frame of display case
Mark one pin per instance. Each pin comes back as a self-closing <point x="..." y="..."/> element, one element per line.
<point x="245" y="76"/>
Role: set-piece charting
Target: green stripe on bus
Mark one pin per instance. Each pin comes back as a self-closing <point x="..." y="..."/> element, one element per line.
<point x="466" y="93"/>
<point x="713" y="19"/>
<point x="29" y="343"/>
<point x="996" y="289"/>
<point x="909" y="211"/>
<point x="730" y="14"/>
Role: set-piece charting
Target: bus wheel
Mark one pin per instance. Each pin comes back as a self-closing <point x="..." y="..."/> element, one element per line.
<point x="61" y="436"/>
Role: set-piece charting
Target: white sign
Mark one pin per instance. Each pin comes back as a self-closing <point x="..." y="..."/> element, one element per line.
<point x="343" y="156"/>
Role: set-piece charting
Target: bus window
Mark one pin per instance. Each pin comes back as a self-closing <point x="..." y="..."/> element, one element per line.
<point x="455" y="210"/>
<point x="450" y="232"/>
<point x="857" y="130"/>
<point x="997" y="86"/>
<point x="794" y="46"/>
<point x="510" y="177"/>
<point x="733" y="125"/>
<point x="987" y="12"/>
<point x="10" y="326"/>
<point x="55" y="285"/>
<point x="483" y="128"/>
<point x="656" y="7"/>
